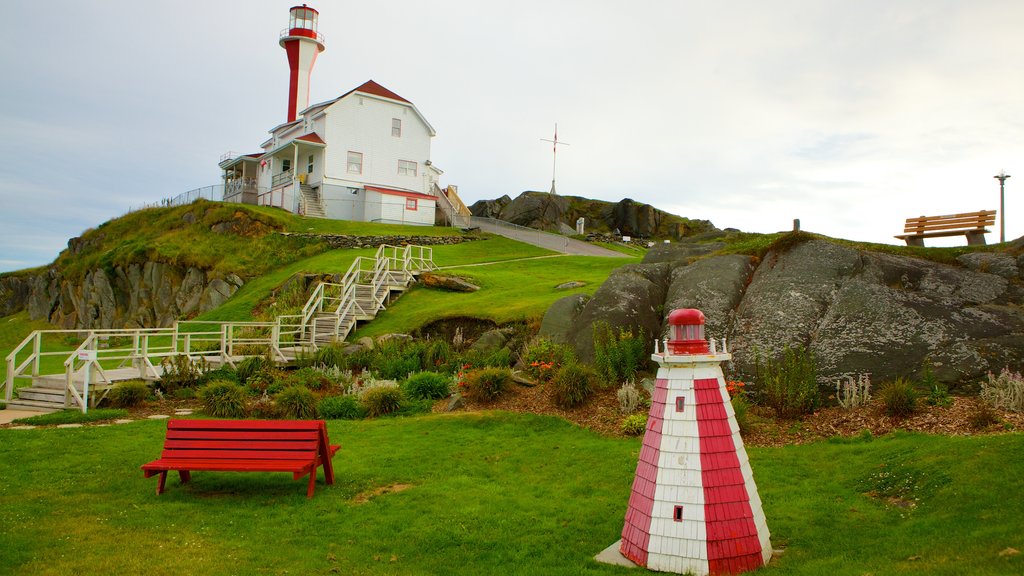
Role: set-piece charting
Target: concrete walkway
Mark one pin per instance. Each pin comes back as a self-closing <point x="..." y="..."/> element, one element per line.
<point x="10" y="415"/>
<point x="555" y="242"/>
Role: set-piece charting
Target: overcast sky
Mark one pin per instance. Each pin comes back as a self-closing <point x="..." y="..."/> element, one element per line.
<point x="849" y="115"/>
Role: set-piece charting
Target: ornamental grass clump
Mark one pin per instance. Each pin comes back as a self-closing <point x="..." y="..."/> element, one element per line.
<point x="488" y="384"/>
<point x="853" y="393"/>
<point x="1004" y="391"/>
<point x="296" y="402"/>
<point x="223" y="399"/>
<point x="899" y="399"/>
<point x="330" y="355"/>
<point x="428" y="386"/>
<point x="381" y="400"/>
<point x="629" y="398"/>
<point x="128" y="394"/>
<point x="345" y="407"/>
<point x="788" y="384"/>
<point x="572" y="385"/>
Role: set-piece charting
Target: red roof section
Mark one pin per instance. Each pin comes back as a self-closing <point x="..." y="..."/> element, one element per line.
<point x="311" y="137"/>
<point x="371" y="87"/>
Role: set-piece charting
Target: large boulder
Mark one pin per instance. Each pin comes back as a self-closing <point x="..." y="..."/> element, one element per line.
<point x="560" y="320"/>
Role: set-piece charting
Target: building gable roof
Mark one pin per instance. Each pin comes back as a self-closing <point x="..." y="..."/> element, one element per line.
<point x="371" y="88"/>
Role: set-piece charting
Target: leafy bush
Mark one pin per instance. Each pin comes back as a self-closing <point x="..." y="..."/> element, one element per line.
<point x="128" y="393"/>
<point x="251" y="366"/>
<point x="345" y="407"/>
<point x="296" y="402"/>
<point x="788" y="384"/>
<point x="438" y="355"/>
<point x="572" y="385"/>
<point x="223" y="399"/>
<point x="265" y="382"/>
<point x="428" y="386"/>
<point x="395" y="359"/>
<point x="634" y="424"/>
<point x="618" y="355"/>
<point x="184" y="394"/>
<point x="488" y="384"/>
<point x="361" y="360"/>
<point x="331" y="355"/>
<point x="263" y="407"/>
<point x="223" y="373"/>
<point x="938" y="393"/>
<point x="854" y="393"/>
<point x="180" y="371"/>
<point x="382" y="400"/>
<point x="741" y="407"/>
<point x="899" y="399"/>
<point x="629" y="397"/>
<point x="1004" y="391"/>
<point x="309" y="377"/>
<point x="543" y="358"/>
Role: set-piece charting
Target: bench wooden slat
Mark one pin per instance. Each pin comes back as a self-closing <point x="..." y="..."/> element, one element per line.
<point x="296" y="446"/>
<point x="979" y="213"/>
<point x="304" y="445"/>
<point x="969" y="224"/>
<point x="940" y="227"/>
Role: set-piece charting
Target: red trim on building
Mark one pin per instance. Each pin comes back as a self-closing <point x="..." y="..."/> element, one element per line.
<point x="733" y="545"/>
<point x="636" y="533"/>
<point x="391" y="192"/>
<point x="304" y="32"/>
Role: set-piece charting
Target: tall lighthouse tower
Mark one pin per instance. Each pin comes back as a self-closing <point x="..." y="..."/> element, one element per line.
<point x="302" y="43"/>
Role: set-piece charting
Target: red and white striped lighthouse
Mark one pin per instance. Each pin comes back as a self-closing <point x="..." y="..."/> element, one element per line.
<point x="694" y="505"/>
<point x="302" y="43"/>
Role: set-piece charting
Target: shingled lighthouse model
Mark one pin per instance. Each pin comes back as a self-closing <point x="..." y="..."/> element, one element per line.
<point x="694" y="507"/>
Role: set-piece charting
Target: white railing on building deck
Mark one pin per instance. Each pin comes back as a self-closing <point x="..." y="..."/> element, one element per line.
<point x="281" y="179"/>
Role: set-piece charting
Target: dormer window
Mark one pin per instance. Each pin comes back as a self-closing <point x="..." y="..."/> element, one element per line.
<point x="396" y="127"/>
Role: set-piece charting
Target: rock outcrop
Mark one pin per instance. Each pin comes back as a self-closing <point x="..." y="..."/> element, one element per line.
<point x="857" y="311"/>
<point x="147" y="295"/>
<point x="558" y="214"/>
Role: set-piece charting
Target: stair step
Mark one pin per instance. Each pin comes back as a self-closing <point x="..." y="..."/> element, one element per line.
<point x="41" y="394"/>
<point x="35" y="405"/>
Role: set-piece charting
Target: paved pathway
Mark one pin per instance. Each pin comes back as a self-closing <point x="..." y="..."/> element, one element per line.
<point x="555" y="242"/>
<point x="10" y="414"/>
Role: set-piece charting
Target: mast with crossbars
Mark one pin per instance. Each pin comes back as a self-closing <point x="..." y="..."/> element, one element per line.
<point x="554" y="155"/>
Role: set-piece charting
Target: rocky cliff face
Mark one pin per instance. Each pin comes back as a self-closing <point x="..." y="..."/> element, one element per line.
<point x="148" y="295"/>
<point x="559" y="214"/>
<point x="858" y="311"/>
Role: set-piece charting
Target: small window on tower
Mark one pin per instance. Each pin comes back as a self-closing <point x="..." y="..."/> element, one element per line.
<point x="680" y="403"/>
<point x="396" y="127"/>
<point x="677" y="514"/>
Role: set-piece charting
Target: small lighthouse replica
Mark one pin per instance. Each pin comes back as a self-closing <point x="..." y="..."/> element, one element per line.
<point x="694" y="506"/>
<point x="302" y="43"/>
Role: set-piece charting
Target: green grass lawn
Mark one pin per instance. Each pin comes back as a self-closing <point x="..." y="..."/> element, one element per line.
<point x="510" y="291"/>
<point x="488" y="493"/>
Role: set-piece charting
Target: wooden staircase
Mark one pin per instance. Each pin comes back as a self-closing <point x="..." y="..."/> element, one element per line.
<point x="312" y="205"/>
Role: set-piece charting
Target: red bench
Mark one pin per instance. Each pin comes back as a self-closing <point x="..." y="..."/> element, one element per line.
<point x="296" y="446"/>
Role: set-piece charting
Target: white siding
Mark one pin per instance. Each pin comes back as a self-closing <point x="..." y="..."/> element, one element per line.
<point x="363" y="124"/>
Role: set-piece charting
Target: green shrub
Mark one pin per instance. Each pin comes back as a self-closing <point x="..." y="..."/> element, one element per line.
<point x="180" y="371"/>
<point x="331" y="355"/>
<point x="572" y="385"/>
<point x="396" y="367"/>
<point x="296" y="402"/>
<point x="381" y="400"/>
<point x="309" y="377"/>
<point x="222" y="373"/>
<point x="128" y="394"/>
<point x="438" y="356"/>
<point x="899" y="399"/>
<point x="982" y="416"/>
<point x="1004" y="391"/>
<point x="184" y="394"/>
<point x="618" y="355"/>
<point x="345" y="407"/>
<point x="741" y="406"/>
<point x="265" y="382"/>
<point x="938" y="393"/>
<point x="543" y="358"/>
<point x="428" y="386"/>
<point x="251" y="366"/>
<point x="488" y="384"/>
<point x="223" y="399"/>
<point x="634" y="424"/>
<point x="788" y="384"/>
<point x="361" y="360"/>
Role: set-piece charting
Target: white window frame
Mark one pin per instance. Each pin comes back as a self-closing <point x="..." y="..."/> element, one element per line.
<point x="396" y="127"/>
<point x="349" y="163"/>
<point x="407" y="168"/>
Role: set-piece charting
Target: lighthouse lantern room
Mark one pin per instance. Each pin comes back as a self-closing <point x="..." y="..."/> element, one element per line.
<point x="302" y="42"/>
<point x="694" y="507"/>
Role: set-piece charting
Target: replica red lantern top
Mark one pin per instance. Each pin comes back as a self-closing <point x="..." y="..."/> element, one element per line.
<point x="686" y="332"/>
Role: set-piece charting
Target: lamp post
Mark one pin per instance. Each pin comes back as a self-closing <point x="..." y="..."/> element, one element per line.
<point x="1002" y="176"/>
